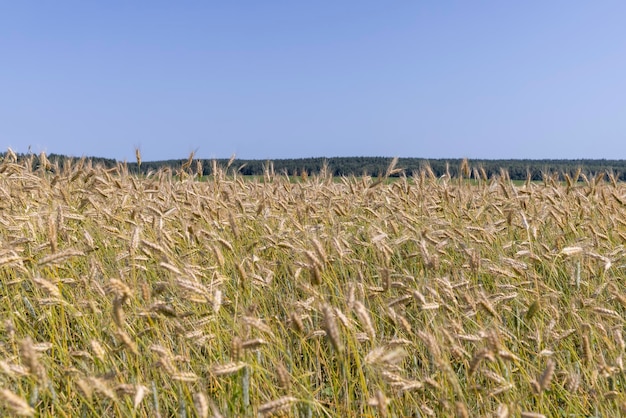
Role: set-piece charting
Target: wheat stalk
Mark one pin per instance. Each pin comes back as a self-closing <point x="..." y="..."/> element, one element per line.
<point x="16" y="404"/>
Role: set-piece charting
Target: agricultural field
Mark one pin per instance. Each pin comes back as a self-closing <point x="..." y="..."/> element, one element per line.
<point x="164" y="296"/>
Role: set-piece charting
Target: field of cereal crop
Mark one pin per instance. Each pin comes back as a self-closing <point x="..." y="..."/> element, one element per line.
<point x="162" y="295"/>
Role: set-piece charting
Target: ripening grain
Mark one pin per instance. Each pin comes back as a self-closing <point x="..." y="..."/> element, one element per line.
<point x="169" y="295"/>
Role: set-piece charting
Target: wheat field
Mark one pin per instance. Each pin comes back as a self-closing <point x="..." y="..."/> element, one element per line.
<point x="167" y="295"/>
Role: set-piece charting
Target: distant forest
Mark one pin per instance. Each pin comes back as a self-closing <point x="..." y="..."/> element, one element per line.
<point x="370" y="166"/>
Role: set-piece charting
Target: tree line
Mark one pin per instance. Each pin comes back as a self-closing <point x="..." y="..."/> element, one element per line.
<point x="517" y="169"/>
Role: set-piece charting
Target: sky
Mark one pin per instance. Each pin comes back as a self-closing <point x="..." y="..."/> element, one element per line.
<point x="292" y="79"/>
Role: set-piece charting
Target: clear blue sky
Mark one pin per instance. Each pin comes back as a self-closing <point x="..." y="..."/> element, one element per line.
<point x="283" y="79"/>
